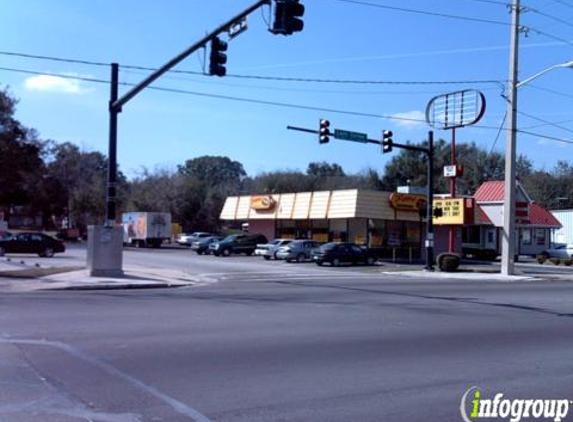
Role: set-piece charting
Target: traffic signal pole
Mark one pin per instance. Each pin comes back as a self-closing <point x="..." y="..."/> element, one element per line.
<point x="104" y="255"/>
<point x="117" y="103"/>
<point x="429" y="244"/>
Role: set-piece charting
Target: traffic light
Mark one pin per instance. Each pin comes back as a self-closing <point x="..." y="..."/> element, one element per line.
<point x="387" y="141"/>
<point x="287" y="17"/>
<point x="218" y="58"/>
<point x="324" y="131"/>
<point x="438" y="212"/>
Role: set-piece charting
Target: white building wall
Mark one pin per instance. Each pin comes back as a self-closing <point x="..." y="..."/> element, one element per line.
<point x="565" y="233"/>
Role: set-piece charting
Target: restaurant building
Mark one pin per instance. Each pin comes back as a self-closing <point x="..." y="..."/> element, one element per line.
<point x="373" y="218"/>
<point x="393" y="222"/>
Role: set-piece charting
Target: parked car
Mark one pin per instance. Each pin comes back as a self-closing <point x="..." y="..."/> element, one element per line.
<point x="298" y="250"/>
<point x="563" y="251"/>
<point x="5" y="235"/>
<point x="41" y="244"/>
<point x="337" y="253"/>
<point x="201" y="246"/>
<point x="269" y="250"/>
<point x="237" y="243"/>
<point x="187" y="239"/>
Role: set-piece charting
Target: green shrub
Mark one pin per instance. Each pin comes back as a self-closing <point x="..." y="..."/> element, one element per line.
<point x="556" y="261"/>
<point x="568" y="262"/>
<point x="540" y="259"/>
<point x="448" y="262"/>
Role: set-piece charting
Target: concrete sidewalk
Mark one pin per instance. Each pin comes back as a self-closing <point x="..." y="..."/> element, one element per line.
<point x="17" y="276"/>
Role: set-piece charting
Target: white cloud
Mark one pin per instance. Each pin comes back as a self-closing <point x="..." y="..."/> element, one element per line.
<point x="50" y="83"/>
<point x="411" y="119"/>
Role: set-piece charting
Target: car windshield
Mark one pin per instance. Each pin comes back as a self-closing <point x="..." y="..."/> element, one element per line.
<point x="233" y="237"/>
<point x="329" y="246"/>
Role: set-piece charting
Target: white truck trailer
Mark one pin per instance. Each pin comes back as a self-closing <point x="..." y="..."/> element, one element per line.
<point x="142" y="229"/>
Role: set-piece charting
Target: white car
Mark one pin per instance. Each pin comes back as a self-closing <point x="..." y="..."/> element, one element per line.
<point x="562" y="251"/>
<point x="269" y="250"/>
<point x="186" y="239"/>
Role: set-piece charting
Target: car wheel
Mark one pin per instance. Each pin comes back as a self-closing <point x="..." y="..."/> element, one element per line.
<point x="319" y="263"/>
<point x="250" y="253"/>
<point x="370" y="261"/>
<point x="199" y="252"/>
<point x="267" y="258"/>
<point x="335" y="262"/>
<point x="48" y="253"/>
<point x="2" y="251"/>
<point x="226" y="252"/>
<point x="300" y="258"/>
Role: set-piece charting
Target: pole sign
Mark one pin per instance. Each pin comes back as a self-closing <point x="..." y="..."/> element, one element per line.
<point x="350" y="136"/>
<point x="456" y="109"/>
<point x="452" y="211"/>
<point x="238" y="27"/>
<point x="450" y="171"/>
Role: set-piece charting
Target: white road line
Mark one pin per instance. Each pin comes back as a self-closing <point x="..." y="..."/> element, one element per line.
<point x="178" y="406"/>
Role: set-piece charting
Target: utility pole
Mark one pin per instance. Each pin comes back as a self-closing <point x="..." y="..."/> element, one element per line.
<point x="508" y="234"/>
<point x="430" y="206"/>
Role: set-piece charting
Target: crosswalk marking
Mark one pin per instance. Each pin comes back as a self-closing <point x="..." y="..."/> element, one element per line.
<point x="207" y="278"/>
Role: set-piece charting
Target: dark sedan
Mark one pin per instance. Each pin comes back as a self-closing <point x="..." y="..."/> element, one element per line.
<point x="202" y="246"/>
<point x="337" y="253"/>
<point x="38" y="243"/>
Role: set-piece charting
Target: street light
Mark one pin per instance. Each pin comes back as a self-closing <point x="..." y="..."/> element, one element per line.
<point x="567" y="65"/>
<point x="508" y="238"/>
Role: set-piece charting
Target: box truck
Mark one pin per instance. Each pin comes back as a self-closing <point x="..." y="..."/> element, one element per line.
<point x="142" y="229"/>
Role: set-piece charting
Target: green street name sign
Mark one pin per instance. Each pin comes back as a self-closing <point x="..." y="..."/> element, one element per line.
<point x="350" y="136"/>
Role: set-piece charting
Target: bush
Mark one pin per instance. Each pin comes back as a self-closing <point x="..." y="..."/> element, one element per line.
<point x="556" y="261"/>
<point x="448" y="262"/>
<point x="540" y="259"/>
<point x="568" y="262"/>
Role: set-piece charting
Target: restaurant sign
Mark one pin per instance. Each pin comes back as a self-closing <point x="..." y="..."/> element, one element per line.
<point x="407" y="201"/>
<point x="263" y="203"/>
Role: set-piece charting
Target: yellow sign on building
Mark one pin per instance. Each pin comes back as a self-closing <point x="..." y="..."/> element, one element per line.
<point x="452" y="211"/>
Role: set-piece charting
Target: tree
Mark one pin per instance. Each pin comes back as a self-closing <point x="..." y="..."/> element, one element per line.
<point x="214" y="171"/>
<point x="323" y="170"/>
<point x="81" y="177"/>
<point x="21" y="164"/>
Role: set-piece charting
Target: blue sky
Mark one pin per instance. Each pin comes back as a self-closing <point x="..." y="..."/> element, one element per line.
<point x="341" y="40"/>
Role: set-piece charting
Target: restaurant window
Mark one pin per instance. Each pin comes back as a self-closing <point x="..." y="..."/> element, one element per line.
<point x="526" y="236"/>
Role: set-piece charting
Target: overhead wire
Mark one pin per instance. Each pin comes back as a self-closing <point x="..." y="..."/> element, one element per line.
<point x="272" y="103"/>
<point x="262" y="77"/>
<point x="227" y="97"/>
<point x="424" y="12"/>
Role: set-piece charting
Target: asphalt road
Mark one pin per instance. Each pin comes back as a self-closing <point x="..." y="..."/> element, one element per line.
<point x="282" y="347"/>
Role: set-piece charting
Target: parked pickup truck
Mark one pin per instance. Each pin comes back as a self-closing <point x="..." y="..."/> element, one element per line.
<point x="237" y="243"/>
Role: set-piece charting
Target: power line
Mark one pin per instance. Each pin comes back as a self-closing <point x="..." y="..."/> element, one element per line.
<point x="54" y="59"/>
<point x="554" y="18"/>
<point x="261" y="77"/>
<point x="556" y="125"/>
<point x="498" y="134"/>
<point x="552" y="138"/>
<point x="233" y="98"/>
<point x="551" y="91"/>
<point x="553" y="37"/>
<point x="502" y="3"/>
<point x="563" y="3"/>
<point x="544" y="124"/>
<point x="424" y="12"/>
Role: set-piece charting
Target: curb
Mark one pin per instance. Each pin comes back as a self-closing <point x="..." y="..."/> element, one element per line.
<point x="120" y="287"/>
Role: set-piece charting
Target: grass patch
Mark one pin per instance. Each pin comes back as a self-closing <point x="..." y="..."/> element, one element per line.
<point x="37" y="272"/>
